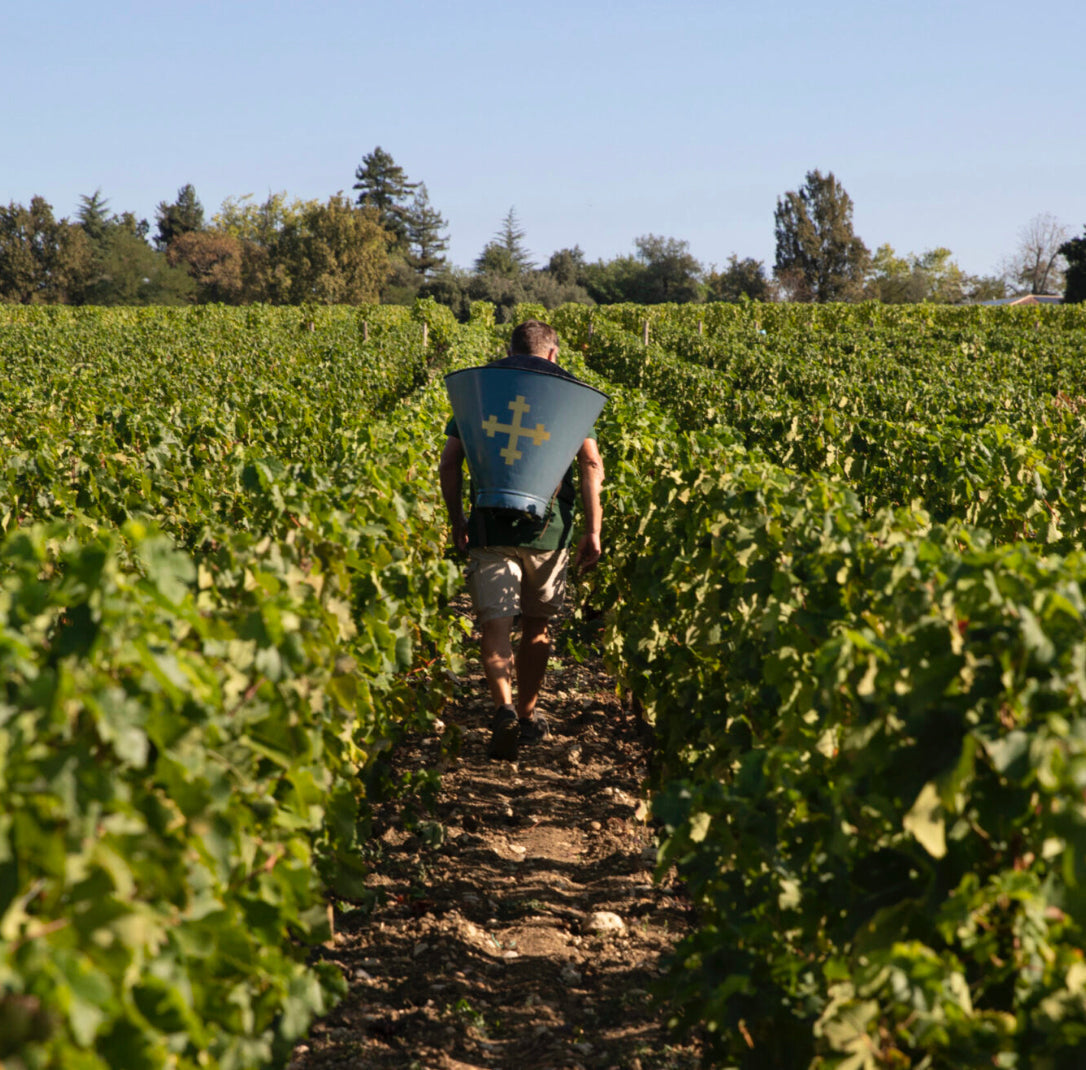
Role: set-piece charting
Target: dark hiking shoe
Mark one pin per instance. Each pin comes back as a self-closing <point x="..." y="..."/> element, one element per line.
<point x="504" y="734"/>
<point x="499" y="715"/>
<point x="534" y="728"/>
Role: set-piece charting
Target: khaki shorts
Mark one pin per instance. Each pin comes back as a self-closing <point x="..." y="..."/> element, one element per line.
<point x="506" y="580"/>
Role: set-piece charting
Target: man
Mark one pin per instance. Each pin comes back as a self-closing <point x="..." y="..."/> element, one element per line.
<point x="517" y="565"/>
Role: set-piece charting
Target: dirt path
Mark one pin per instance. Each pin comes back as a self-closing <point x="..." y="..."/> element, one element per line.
<point x="517" y="926"/>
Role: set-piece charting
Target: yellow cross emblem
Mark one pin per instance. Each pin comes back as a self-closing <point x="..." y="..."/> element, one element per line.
<point x="515" y="431"/>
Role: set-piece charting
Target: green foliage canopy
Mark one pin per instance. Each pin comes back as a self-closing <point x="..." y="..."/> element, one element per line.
<point x="43" y="260"/>
<point x="739" y="279"/>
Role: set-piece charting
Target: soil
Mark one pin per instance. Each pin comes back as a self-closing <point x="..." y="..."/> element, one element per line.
<point x="516" y="924"/>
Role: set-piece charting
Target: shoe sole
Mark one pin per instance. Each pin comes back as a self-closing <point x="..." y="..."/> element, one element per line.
<point x="529" y="739"/>
<point x="503" y="744"/>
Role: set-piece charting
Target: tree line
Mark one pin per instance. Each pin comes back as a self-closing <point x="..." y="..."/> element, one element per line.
<point x="387" y="243"/>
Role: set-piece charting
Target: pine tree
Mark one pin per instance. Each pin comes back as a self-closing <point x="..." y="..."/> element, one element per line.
<point x="819" y="258"/>
<point x="93" y="215"/>
<point x="1075" y="253"/>
<point x="425" y="241"/>
<point x="505" y="254"/>
<point x="383" y="185"/>
<point x="186" y="214"/>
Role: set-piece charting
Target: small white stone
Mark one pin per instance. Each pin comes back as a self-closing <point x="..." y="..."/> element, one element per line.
<point x="604" y="922"/>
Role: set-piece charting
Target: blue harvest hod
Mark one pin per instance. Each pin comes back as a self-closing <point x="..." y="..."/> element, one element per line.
<point x="520" y="430"/>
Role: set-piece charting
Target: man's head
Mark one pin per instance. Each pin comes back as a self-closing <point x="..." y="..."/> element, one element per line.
<point x="535" y="339"/>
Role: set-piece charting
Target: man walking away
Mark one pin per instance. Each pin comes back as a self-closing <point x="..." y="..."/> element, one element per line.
<point x="517" y="564"/>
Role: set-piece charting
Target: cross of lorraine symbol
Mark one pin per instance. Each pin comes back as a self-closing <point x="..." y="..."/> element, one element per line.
<point x="515" y="431"/>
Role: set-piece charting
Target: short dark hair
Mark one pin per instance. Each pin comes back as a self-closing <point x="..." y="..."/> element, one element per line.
<point x="533" y="337"/>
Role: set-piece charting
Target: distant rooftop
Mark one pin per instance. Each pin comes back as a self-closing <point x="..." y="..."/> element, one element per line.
<point x="1027" y="299"/>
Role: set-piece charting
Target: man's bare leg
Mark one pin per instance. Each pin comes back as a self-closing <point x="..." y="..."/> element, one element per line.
<point x="497" y="654"/>
<point x="533" y="653"/>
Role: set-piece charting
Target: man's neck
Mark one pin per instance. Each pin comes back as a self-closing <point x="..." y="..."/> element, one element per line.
<point x="551" y="355"/>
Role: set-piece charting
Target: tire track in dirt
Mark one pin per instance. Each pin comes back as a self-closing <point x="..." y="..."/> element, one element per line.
<point x="517" y="924"/>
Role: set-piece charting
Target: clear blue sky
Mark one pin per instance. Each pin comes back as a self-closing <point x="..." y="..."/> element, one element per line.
<point x="950" y="123"/>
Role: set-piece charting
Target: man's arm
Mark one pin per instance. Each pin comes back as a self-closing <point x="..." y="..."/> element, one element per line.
<point x="591" y="465"/>
<point x="451" y="473"/>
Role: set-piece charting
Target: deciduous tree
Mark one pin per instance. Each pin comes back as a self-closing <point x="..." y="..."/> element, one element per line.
<point x="214" y="261"/>
<point x="568" y="266"/>
<point x="43" y="260"/>
<point x="261" y="224"/>
<point x="984" y="288"/>
<point x="451" y="287"/>
<point x="741" y="278"/>
<point x="932" y="276"/>
<point x="1037" y="265"/>
<point x="672" y="273"/>
<point x="336" y="254"/>
<point x="124" y="269"/>
<point x="127" y="271"/>
<point x="819" y="258"/>
<point x="611" y="282"/>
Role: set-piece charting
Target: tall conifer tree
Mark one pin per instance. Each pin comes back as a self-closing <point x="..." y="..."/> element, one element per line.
<point x="505" y="254"/>
<point x="819" y="258"/>
<point x="382" y="184"/>
<point x="425" y="240"/>
<point x="185" y="215"/>
<point x="1075" y="253"/>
